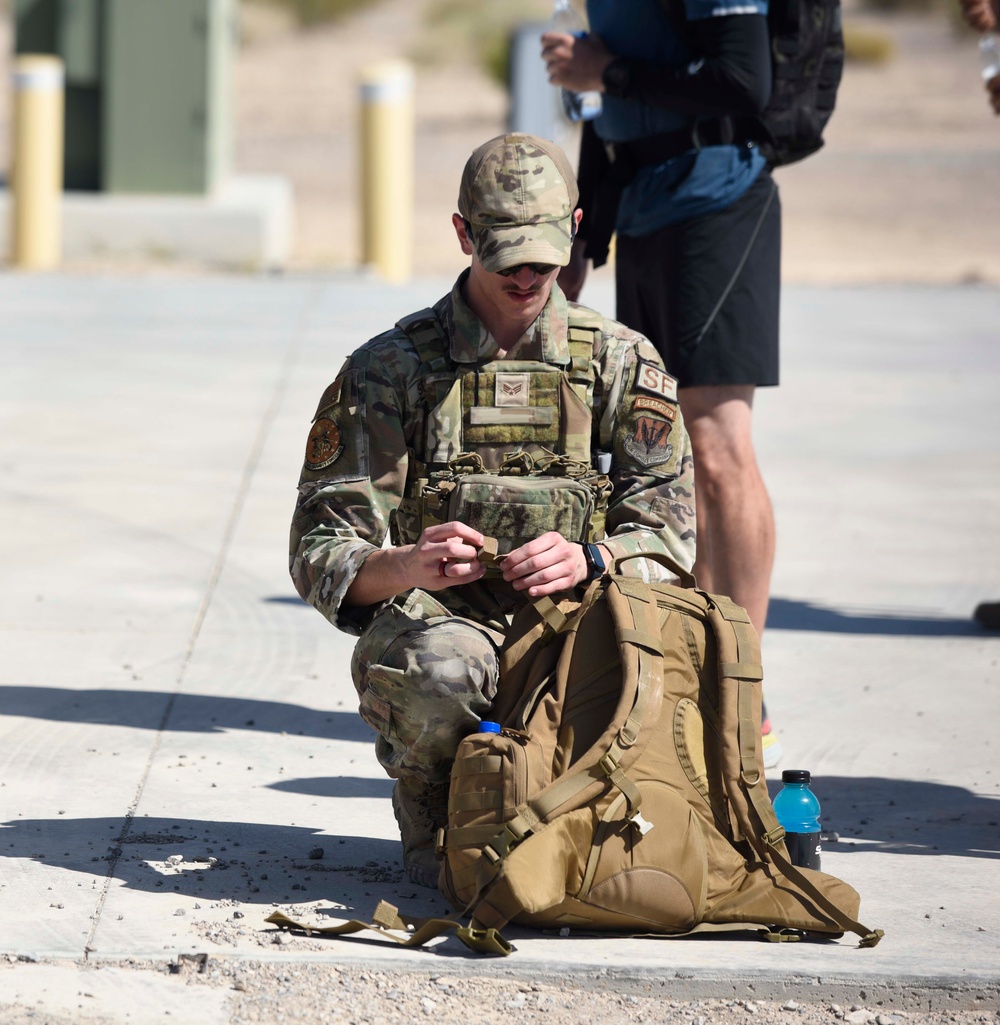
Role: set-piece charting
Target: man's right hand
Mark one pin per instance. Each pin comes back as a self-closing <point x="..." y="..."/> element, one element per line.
<point x="445" y="555"/>
<point x="575" y="62"/>
<point x="980" y="14"/>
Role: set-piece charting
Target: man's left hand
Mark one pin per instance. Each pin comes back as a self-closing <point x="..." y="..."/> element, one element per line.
<point x="547" y="565"/>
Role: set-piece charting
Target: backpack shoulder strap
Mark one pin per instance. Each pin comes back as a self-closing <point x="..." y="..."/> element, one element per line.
<point x="634" y="610"/>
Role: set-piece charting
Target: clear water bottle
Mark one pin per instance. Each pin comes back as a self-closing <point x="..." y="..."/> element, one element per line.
<point x="989" y="56"/>
<point x="797" y="809"/>
<point x="577" y="106"/>
<point x="486" y="726"/>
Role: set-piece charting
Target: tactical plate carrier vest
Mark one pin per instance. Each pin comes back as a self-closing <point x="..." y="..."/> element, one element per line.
<point x="506" y="446"/>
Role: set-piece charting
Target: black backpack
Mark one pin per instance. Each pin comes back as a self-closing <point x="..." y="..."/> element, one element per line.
<point x="807" y="62"/>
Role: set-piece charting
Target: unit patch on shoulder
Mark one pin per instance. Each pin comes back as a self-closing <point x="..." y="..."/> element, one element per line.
<point x="648" y="444"/>
<point x="324" y="444"/>
<point x="652" y="379"/>
<point x="661" y="406"/>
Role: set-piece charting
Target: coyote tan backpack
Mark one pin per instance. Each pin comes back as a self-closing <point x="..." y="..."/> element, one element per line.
<point x="625" y="791"/>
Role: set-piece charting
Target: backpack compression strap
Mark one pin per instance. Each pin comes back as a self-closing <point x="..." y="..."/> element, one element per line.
<point x="387" y="921"/>
<point x="739" y="662"/>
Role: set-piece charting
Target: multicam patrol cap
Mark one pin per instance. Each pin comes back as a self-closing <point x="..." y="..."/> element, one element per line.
<point x="518" y="193"/>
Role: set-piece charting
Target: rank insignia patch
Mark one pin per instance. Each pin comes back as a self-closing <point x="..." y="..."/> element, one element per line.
<point x="324" y="444"/>
<point x="648" y="444"/>
<point x="513" y="389"/>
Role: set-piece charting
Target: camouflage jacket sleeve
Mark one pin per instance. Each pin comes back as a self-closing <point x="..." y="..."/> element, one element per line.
<point x="652" y="507"/>
<point x="351" y="481"/>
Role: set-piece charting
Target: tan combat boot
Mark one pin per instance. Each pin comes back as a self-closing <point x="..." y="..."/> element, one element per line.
<point x="420" y="810"/>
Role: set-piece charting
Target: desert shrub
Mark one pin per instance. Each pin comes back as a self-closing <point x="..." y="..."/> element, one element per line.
<point x="478" y="29"/>
<point x="945" y="8"/>
<point x="313" y="12"/>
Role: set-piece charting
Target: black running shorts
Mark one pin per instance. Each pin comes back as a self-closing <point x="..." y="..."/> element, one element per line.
<point x="706" y="291"/>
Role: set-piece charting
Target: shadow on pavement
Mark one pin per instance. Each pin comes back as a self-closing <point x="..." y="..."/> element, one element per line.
<point x="261" y="862"/>
<point x="789" y="614"/>
<point x="902" y="816"/>
<point x="336" y="786"/>
<point x="256" y="863"/>
<point x="195" y="713"/>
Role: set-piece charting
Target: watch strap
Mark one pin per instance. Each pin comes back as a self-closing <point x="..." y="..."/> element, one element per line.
<point x="595" y="561"/>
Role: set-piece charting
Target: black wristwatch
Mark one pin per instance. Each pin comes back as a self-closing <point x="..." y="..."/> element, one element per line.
<point x="595" y="562"/>
<point x="617" y="77"/>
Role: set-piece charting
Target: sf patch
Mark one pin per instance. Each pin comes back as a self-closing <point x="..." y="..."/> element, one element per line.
<point x="654" y="381"/>
<point x="647" y="444"/>
<point x="324" y="445"/>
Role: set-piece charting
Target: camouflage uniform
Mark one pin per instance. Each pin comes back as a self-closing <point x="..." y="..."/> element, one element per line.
<point x="425" y="666"/>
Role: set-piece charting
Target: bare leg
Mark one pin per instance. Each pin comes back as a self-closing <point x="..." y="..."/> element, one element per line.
<point x="735" y="520"/>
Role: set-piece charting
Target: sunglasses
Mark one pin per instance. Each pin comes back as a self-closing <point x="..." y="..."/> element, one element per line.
<point x="538" y="268"/>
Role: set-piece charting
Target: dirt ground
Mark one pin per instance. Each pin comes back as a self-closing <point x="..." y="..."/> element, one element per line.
<point x="905" y="189"/>
<point x="301" y="993"/>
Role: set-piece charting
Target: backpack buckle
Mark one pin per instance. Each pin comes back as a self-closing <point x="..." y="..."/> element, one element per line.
<point x="774" y="836"/>
<point x="640" y="823"/>
<point x="773" y="935"/>
<point x="484" y="941"/>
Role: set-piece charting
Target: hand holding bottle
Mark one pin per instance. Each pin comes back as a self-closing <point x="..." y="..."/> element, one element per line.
<point x="574" y="61"/>
<point x="989" y="63"/>
<point x="980" y="14"/>
<point x="993" y="88"/>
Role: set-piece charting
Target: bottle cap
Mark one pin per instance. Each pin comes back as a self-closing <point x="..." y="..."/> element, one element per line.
<point x="489" y="727"/>
<point x="796" y="776"/>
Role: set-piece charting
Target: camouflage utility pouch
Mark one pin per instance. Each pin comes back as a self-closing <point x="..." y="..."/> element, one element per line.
<point x="525" y="498"/>
<point x="516" y="510"/>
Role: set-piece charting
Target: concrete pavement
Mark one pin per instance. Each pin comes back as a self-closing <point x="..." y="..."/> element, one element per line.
<point x="164" y="693"/>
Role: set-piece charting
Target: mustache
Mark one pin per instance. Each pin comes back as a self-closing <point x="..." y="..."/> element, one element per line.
<point x="515" y="288"/>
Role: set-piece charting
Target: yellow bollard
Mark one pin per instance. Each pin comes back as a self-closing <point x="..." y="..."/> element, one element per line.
<point x="36" y="177"/>
<point x="387" y="143"/>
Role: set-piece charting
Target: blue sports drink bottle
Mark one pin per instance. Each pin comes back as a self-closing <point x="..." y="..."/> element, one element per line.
<point x="797" y="809"/>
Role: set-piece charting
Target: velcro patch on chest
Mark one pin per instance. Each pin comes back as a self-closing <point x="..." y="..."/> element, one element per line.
<point x="512" y="389"/>
<point x="653" y="380"/>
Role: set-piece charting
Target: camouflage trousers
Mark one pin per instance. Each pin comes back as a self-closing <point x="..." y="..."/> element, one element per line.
<point x="425" y="678"/>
